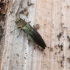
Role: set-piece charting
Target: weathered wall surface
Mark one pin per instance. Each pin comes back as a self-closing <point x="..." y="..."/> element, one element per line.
<point x="53" y="19"/>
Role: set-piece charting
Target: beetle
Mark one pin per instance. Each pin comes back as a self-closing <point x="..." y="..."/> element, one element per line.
<point x="31" y="32"/>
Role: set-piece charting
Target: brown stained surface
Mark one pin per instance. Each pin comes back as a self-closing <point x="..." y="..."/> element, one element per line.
<point x="52" y="16"/>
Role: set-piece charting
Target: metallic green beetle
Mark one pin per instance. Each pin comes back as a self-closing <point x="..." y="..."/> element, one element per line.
<point x="31" y="32"/>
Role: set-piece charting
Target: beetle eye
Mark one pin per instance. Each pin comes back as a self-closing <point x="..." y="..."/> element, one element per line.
<point x="19" y="27"/>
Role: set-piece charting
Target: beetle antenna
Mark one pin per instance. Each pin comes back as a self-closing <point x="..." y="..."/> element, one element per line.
<point x="13" y="30"/>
